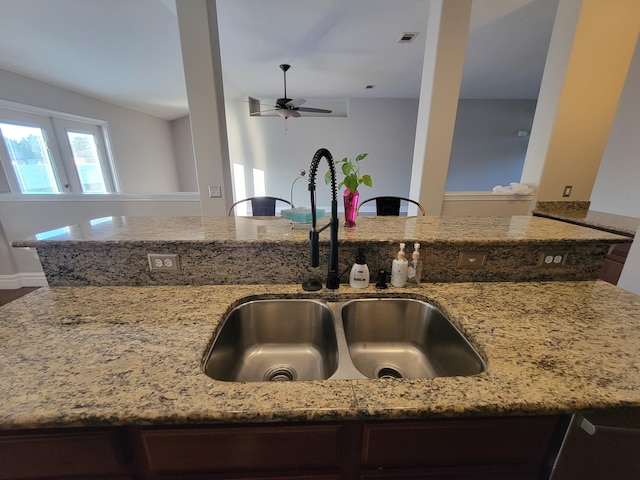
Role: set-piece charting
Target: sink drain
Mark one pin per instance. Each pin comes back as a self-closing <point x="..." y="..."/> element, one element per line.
<point x="280" y="373"/>
<point x="385" y="371"/>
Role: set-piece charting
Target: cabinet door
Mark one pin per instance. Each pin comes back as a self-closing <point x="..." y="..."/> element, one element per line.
<point x="67" y="455"/>
<point x="453" y="445"/>
<point x="611" y="451"/>
<point x="248" y="449"/>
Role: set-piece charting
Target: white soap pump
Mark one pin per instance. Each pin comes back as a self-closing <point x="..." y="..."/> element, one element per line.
<point x="414" y="272"/>
<point x="399" y="269"/>
<point x="359" y="277"/>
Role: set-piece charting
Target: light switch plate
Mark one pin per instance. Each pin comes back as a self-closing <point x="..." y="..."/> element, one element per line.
<point x="215" y="191"/>
<point x="472" y="260"/>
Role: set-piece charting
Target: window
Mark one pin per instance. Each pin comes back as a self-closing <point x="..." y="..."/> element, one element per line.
<point x="240" y="189"/>
<point x="30" y="159"/>
<point x="54" y="154"/>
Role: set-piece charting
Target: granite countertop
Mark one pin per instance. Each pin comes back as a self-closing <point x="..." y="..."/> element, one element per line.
<point x="233" y="230"/>
<point x="84" y="356"/>
<point x="608" y="222"/>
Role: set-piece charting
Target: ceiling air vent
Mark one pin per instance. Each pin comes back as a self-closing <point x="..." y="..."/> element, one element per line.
<point x="407" y="37"/>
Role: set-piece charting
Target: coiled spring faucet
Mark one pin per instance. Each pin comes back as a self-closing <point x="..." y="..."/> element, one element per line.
<point x="333" y="277"/>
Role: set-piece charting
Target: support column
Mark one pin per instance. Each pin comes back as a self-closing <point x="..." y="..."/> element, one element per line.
<point x="587" y="64"/>
<point x="197" y="20"/>
<point x="445" y="49"/>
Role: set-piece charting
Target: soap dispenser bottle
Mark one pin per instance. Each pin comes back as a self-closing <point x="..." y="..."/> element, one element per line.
<point x="399" y="269"/>
<point x="414" y="272"/>
<point x="359" y="276"/>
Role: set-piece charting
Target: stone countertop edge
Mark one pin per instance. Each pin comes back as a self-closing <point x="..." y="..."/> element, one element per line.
<point x="101" y="356"/>
<point x="247" y="230"/>
<point x="606" y="222"/>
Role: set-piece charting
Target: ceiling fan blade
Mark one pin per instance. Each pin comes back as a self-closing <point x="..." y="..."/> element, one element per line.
<point x="313" y="110"/>
<point x="296" y="102"/>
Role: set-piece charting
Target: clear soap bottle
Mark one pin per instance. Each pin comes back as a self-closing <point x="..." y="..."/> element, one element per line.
<point x="359" y="276"/>
<point x="399" y="269"/>
<point x="414" y="271"/>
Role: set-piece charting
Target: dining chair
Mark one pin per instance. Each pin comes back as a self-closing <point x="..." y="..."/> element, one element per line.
<point x="390" y="206"/>
<point x="261" y="206"/>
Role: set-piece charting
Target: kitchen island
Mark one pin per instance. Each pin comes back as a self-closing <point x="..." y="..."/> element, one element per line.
<point x="87" y="356"/>
<point x="260" y="250"/>
<point x="115" y="372"/>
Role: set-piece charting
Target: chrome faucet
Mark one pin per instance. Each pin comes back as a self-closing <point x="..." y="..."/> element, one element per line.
<point x="333" y="277"/>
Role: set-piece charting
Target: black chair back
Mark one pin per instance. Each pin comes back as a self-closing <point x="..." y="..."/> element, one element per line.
<point x="261" y="206"/>
<point x="390" y="206"/>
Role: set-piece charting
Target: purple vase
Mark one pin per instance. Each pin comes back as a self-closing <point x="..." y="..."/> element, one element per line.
<point x="350" y="207"/>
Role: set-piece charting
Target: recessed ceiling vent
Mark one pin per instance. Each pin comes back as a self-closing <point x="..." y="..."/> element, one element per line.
<point x="407" y="37"/>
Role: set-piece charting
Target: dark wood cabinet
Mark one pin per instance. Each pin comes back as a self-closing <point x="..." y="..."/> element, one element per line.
<point x="63" y="454"/>
<point x="607" y="448"/>
<point x="614" y="263"/>
<point x="303" y="449"/>
<point x="496" y="448"/>
<point x="520" y="447"/>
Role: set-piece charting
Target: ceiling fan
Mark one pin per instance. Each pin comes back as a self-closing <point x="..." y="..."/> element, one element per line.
<point x="287" y="107"/>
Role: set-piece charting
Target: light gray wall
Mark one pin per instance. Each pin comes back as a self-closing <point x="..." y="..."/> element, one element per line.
<point x="142" y="144"/>
<point x="486" y="149"/>
<point x="183" y="150"/>
<point x="384" y="128"/>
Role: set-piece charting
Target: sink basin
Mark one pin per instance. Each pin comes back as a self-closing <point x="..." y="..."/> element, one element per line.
<point x="405" y="338"/>
<point x="306" y="339"/>
<point x="275" y="340"/>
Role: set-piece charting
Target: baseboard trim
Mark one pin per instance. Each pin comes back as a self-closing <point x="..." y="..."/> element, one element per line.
<point x="19" y="280"/>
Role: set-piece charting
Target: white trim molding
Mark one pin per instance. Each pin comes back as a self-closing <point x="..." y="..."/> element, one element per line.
<point x="19" y="280"/>
<point x="486" y="203"/>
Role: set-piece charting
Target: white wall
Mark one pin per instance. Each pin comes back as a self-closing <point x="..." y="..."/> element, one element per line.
<point x="616" y="189"/>
<point x="383" y="128"/>
<point x="183" y="150"/>
<point x="142" y="144"/>
<point x="486" y="149"/>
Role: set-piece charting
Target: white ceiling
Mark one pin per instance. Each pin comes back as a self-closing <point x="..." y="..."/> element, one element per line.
<point x="127" y="51"/>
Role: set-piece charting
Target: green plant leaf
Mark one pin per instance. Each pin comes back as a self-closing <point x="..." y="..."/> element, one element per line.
<point x="361" y="157"/>
<point x="351" y="182"/>
<point x="347" y="168"/>
<point x="366" y="179"/>
<point x="327" y="177"/>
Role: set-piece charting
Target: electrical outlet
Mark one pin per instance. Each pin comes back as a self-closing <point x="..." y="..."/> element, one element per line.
<point x="567" y="190"/>
<point x="473" y="260"/>
<point x="552" y="258"/>
<point x="164" y="262"/>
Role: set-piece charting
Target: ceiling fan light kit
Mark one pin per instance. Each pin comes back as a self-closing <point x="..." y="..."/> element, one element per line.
<point x="287" y="107"/>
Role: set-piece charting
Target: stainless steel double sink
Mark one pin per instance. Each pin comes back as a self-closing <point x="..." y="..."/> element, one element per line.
<point x="308" y="339"/>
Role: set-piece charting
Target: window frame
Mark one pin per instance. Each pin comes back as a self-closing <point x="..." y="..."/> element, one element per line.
<point x="54" y="126"/>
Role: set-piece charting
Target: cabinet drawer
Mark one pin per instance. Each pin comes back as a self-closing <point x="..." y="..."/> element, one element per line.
<point x="68" y="455"/>
<point x="520" y="440"/>
<point x="242" y="448"/>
